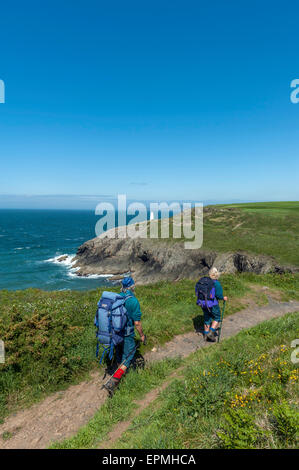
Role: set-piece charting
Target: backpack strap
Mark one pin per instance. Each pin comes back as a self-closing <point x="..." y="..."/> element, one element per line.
<point x="128" y="296"/>
<point x="105" y="350"/>
<point x="129" y="329"/>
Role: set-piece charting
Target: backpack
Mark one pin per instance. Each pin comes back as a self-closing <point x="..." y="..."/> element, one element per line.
<point x="110" y="321"/>
<point x="205" y="291"/>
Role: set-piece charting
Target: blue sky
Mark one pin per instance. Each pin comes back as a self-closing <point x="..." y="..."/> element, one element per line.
<point x="157" y="100"/>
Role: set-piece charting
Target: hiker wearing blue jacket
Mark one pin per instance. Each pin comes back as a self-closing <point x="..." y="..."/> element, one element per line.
<point x="209" y="303"/>
<point x="126" y="350"/>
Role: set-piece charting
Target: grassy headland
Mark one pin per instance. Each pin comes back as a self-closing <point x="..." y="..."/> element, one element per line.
<point x="266" y="228"/>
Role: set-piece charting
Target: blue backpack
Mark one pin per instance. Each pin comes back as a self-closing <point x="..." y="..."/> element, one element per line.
<point x="110" y="321"/>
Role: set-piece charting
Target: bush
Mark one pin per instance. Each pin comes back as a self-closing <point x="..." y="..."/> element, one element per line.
<point x="239" y="431"/>
<point x="273" y="391"/>
<point x="285" y="421"/>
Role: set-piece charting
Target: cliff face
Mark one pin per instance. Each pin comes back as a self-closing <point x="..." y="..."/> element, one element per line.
<point x="152" y="260"/>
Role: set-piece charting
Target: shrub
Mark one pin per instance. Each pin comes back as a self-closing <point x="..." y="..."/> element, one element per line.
<point x="285" y="421"/>
<point x="239" y="431"/>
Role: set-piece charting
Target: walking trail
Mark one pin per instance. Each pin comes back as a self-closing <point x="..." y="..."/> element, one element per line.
<point x="62" y="414"/>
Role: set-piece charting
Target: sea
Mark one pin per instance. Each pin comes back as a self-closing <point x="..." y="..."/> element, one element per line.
<point x="32" y="240"/>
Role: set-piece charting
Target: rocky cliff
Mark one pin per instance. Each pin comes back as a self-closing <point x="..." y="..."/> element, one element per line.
<point x="154" y="260"/>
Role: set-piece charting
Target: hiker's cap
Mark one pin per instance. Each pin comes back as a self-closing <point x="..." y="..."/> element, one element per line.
<point x="127" y="282"/>
<point x="214" y="273"/>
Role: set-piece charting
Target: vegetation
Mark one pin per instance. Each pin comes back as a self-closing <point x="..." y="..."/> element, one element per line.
<point x="268" y="228"/>
<point x="50" y="337"/>
<point x="242" y="393"/>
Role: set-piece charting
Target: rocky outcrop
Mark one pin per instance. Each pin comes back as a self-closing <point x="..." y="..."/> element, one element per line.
<point x="62" y="258"/>
<point x="152" y="260"/>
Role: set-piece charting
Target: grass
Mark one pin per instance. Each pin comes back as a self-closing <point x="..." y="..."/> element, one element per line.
<point x="268" y="228"/>
<point x="50" y="337"/>
<point x="242" y="393"/>
<point x="262" y="228"/>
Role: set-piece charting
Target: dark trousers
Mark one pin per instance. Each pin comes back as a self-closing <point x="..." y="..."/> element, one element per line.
<point x="125" y="351"/>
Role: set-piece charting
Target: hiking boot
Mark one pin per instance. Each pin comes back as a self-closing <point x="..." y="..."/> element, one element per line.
<point x="211" y="336"/>
<point x="205" y="336"/>
<point x="111" y="385"/>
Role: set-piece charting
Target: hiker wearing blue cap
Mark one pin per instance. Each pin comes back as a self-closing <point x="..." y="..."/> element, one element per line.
<point x="126" y="350"/>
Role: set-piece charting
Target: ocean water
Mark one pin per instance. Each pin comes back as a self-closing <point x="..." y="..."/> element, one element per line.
<point x="31" y="241"/>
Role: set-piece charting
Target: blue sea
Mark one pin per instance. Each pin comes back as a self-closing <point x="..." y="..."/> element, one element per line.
<point x="31" y="241"/>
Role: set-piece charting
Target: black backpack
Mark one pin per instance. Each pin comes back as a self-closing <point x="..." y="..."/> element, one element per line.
<point x="205" y="291"/>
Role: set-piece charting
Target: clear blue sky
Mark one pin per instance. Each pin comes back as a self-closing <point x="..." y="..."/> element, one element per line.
<point x="157" y="100"/>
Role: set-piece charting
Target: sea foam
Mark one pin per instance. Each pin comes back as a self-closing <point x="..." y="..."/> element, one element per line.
<point x="68" y="262"/>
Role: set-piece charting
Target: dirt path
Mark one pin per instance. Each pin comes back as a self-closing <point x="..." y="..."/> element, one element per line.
<point x="61" y="415"/>
<point x="121" y="427"/>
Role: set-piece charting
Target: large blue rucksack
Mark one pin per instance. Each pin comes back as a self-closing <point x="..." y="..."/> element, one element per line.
<point x="110" y="321"/>
<point x="205" y="292"/>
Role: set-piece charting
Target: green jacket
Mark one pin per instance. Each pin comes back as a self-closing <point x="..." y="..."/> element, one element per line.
<point x="133" y="308"/>
<point x="218" y="290"/>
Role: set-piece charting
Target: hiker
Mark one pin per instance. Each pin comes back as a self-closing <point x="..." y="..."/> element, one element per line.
<point x="125" y="351"/>
<point x="209" y="291"/>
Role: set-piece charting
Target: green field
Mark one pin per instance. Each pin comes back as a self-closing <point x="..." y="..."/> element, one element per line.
<point x="50" y="337"/>
<point x="268" y="228"/>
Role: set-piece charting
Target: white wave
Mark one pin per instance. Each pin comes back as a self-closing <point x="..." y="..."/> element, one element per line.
<point x="72" y="273"/>
<point x="97" y="276"/>
<point x="67" y="261"/>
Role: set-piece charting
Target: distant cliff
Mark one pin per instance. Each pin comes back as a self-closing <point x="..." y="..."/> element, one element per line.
<point x="258" y="238"/>
<point x="152" y="260"/>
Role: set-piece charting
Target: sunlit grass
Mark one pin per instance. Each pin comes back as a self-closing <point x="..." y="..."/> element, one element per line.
<point x="50" y="337"/>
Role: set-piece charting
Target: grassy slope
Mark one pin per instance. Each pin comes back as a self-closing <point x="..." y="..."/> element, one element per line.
<point x="242" y="393"/>
<point x="269" y="228"/>
<point x="50" y="341"/>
